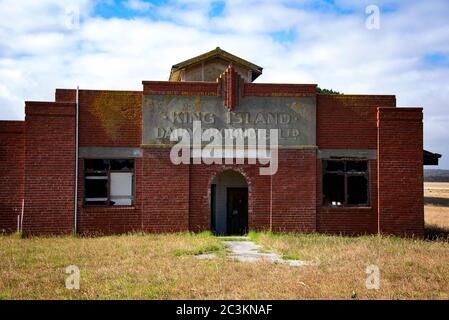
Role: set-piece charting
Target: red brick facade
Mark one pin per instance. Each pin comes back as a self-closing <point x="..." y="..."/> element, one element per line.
<point x="49" y="167"/>
<point x="38" y="165"/>
<point x="400" y="187"/>
<point x="12" y="173"/>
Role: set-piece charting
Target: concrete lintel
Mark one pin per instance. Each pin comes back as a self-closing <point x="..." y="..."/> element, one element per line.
<point x="167" y="145"/>
<point x="370" y="154"/>
<point x="109" y="152"/>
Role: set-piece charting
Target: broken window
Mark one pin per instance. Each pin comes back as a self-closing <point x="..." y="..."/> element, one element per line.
<point x="109" y="182"/>
<point x="345" y="183"/>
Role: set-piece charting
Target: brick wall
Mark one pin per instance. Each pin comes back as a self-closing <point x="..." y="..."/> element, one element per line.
<point x="348" y="121"/>
<point x="110" y="118"/>
<point x="177" y="198"/>
<point x="12" y="159"/>
<point x="189" y="88"/>
<point x="232" y="84"/>
<point x="114" y="119"/>
<point x="291" y="199"/>
<point x="400" y="168"/>
<point x="294" y="197"/>
<point x="65" y="95"/>
<point x="49" y="167"/>
<point x="214" y="88"/>
<point x="276" y="89"/>
<point x="164" y="191"/>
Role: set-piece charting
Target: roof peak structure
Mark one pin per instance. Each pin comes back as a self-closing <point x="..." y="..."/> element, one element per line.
<point x="208" y="67"/>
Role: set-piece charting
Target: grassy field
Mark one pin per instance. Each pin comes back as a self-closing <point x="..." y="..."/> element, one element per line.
<point x="436" y="198"/>
<point x="142" y="266"/>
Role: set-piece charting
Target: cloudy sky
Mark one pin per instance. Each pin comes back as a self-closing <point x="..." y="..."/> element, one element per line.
<point x="107" y="44"/>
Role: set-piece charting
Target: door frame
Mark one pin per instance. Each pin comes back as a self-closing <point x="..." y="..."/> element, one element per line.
<point x="213" y="209"/>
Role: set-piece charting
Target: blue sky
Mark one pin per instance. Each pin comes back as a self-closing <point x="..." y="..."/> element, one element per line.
<point x="117" y="44"/>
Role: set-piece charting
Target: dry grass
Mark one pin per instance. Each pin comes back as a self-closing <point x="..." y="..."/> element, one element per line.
<point x="436" y="198"/>
<point x="408" y="268"/>
<point x="437" y="216"/>
<point x="147" y="267"/>
<point x="163" y="267"/>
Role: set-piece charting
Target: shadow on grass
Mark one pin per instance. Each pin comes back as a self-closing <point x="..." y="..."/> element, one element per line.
<point x="437" y="201"/>
<point x="436" y="233"/>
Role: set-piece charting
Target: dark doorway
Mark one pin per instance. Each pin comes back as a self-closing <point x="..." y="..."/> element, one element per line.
<point x="237" y="211"/>
<point x="221" y="204"/>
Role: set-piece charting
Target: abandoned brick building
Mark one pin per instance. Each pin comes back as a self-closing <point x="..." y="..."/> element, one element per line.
<point x="350" y="164"/>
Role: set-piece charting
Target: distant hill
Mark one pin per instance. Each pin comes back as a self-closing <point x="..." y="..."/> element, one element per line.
<point x="436" y="175"/>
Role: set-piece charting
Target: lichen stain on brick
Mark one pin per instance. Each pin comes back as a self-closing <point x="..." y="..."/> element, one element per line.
<point x="167" y="99"/>
<point x="295" y="105"/>
<point x="115" y="110"/>
<point x="191" y="104"/>
<point x="276" y="101"/>
<point x="197" y="103"/>
<point x="155" y="104"/>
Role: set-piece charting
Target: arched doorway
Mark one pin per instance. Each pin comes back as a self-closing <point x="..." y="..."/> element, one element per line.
<point x="229" y="203"/>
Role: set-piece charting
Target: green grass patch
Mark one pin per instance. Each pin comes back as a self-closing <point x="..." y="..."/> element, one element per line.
<point x="255" y="236"/>
<point x="212" y="248"/>
<point x="290" y="256"/>
<point x="231" y="238"/>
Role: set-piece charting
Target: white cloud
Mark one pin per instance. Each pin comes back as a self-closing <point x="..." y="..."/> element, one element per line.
<point x="39" y="53"/>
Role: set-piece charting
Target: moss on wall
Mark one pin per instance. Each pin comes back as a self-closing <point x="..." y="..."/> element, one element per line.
<point x="115" y="110"/>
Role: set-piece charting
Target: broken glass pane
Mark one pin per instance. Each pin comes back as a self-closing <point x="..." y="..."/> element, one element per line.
<point x="96" y="165"/>
<point x="96" y="190"/>
<point x="357" y="166"/>
<point x="122" y="165"/>
<point x="333" y="189"/>
<point x="334" y="166"/>
<point x="357" y="190"/>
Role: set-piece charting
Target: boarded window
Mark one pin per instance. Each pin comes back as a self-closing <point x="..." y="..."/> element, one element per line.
<point x="345" y="183"/>
<point x="109" y="182"/>
<point x="121" y="188"/>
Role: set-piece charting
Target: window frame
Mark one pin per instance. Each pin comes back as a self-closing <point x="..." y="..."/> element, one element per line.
<point x="346" y="174"/>
<point x="108" y="175"/>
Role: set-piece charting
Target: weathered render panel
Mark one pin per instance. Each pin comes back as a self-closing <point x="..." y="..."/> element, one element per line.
<point x="294" y="116"/>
